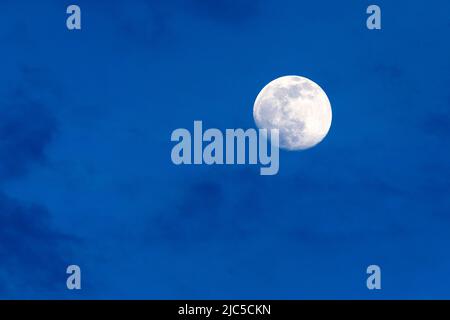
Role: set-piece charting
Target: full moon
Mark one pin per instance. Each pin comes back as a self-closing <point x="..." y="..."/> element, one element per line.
<point x="298" y="108"/>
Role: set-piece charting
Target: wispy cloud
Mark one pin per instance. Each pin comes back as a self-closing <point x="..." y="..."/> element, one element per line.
<point x="34" y="255"/>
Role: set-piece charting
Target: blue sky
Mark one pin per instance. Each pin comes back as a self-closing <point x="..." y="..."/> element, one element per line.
<point x="86" y="176"/>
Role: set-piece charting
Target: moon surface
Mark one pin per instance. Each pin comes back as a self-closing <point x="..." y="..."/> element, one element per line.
<point x="298" y="108"/>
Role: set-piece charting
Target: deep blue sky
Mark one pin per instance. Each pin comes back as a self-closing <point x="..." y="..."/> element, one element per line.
<point x="86" y="176"/>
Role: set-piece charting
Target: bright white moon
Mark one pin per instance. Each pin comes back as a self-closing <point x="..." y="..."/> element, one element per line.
<point x="298" y="108"/>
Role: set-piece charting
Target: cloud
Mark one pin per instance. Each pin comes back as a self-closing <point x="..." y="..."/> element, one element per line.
<point x="156" y="24"/>
<point x="213" y="208"/>
<point x="150" y="27"/>
<point x="33" y="255"/>
<point x="388" y="70"/>
<point x="231" y="12"/>
<point x="26" y="128"/>
<point x="437" y="125"/>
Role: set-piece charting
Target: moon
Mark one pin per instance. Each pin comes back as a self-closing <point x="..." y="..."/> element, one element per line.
<point x="298" y="108"/>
